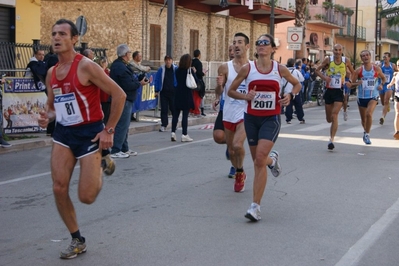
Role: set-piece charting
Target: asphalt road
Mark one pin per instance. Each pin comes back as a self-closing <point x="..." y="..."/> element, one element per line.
<point x="174" y="205"/>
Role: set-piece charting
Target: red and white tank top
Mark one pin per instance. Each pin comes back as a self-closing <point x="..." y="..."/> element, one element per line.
<point x="266" y="101"/>
<point x="74" y="103"/>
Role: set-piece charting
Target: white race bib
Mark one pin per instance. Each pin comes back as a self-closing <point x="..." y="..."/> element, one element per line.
<point x="387" y="78"/>
<point x="264" y="100"/>
<point x="336" y="82"/>
<point x="67" y="109"/>
<point x="368" y="84"/>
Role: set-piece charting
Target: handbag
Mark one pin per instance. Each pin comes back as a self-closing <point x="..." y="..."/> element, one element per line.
<point x="190" y="80"/>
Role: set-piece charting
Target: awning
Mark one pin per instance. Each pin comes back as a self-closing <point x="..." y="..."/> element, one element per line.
<point x="329" y="52"/>
<point x="314" y="51"/>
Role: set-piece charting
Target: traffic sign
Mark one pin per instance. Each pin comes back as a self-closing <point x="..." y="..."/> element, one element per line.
<point x="294" y="46"/>
<point x="81" y="24"/>
<point x="294" y="35"/>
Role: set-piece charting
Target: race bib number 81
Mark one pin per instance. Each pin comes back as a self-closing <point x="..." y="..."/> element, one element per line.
<point x="264" y="100"/>
<point x="67" y="109"/>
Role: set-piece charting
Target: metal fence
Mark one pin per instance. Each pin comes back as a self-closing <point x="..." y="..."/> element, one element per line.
<point x="14" y="57"/>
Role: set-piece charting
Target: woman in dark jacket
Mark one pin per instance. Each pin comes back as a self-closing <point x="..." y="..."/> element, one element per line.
<point x="183" y="98"/>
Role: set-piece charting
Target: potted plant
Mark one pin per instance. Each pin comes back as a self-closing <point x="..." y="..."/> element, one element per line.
<point x="349" y="11"/>
<point x="319" y="16"/>
<point x="339" y="8"/>
<point x="328" y="5"/>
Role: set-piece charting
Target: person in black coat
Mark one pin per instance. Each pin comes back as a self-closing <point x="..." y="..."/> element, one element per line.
<point x="198" y="95"/>
<point x="183" y="98"/>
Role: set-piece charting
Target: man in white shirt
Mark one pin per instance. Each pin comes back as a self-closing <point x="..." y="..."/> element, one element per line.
<point x="286" y="87"/>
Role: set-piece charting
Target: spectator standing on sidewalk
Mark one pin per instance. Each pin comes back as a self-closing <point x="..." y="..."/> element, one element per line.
<point x="139" y="70"/>
<point x="183" y="98"/>
<point x="73" y="100"/>
<point x="296" y="100"/>
<point x="165" y="83"/>
<point x="123" y="75"/>
<point x="197" y="64"/>
<point x="104" y="97"/>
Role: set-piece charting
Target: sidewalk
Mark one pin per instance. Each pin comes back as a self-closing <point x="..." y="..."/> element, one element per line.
<point x="148" y="121"/>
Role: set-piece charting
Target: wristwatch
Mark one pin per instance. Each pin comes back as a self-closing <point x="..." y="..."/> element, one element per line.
<point x="292" y="96"/>
<point x="109" y="130"/>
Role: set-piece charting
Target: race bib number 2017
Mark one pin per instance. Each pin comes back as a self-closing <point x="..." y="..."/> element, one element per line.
<point x="67" y="109"/>
<point x="264" y="100"/>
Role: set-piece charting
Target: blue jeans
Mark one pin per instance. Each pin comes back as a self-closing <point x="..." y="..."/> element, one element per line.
<point x="122" y="129"/>
<point x="310" y="91"/>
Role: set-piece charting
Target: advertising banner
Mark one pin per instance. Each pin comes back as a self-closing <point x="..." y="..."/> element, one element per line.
<point x="22" y="102"/>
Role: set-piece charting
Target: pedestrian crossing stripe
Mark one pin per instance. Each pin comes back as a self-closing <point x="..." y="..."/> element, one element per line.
<point x="208" y="126"/>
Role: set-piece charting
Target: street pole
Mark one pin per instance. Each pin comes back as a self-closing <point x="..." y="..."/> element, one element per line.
<point x="170" y="28"/>
<point x="376" y="28"/>
<point x="272" y="19"/>
<point x="355" y="37"/>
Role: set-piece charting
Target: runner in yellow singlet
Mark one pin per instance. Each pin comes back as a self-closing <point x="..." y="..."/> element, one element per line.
<point x="334" y="79"/>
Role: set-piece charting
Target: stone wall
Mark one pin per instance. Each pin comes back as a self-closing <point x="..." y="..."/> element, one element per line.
<point x="111" y="23"/>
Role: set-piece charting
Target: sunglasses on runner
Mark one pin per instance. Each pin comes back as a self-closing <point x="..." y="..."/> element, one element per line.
<point x="262" y="42"/>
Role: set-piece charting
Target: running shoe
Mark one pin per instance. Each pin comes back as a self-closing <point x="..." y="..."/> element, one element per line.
<point x="119" y="155"/>
<point x="302" y="122"/>
<point x="131" y="153"/>
<point x="396" y="135"/>
<point x="173" y="136"/>
<point x="76" y="247"/>
<point x="253" y="213"/>
<point x="186" y="138"/>
<point x="366" y="139"/>
<point x="288" y="122"/>
<point x="162" y="129"/>
<point x="276" y="169"/>
<point x="345" y="116"/>
<point x="239" y="185"/>
<point x="382" y="120"/>
<point x="108" y="165"/>
<point x="331" y="146"/>
<point x="232" y="173"/>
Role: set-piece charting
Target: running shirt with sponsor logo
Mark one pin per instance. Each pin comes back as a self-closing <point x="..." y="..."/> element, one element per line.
<point x="74" y="103"/>
<point x="370" y="82"/>
<point x="267" y="99"/>
<point x="388" y="73"/>
<point x="233" y="109"/>
<point x="337" y="73"/>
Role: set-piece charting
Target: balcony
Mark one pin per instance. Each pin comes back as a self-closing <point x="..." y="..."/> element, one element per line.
<point x="284" y="9"/>
<point x="329" y="18"/>
<point x="349" y="31"/>
<point x="390" y="34"/>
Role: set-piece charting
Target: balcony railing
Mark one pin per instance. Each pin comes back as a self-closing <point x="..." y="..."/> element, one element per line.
<point x="350" y="31"/>
<point x="390" y="34"/>
<point x="284" y="4"/>
<point x="327" y="15"/>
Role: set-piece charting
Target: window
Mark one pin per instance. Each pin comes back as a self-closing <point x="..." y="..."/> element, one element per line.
<point x="313" y="2"/>
<point x="194" y="35"/>
<point x="155" y="42"/>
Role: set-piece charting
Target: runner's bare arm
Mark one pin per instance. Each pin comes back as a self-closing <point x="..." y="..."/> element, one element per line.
<point x="232" y="90"/>
<point x="221" y="79"/>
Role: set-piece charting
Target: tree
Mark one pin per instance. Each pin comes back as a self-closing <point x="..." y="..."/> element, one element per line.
<point x="300" y="21"/>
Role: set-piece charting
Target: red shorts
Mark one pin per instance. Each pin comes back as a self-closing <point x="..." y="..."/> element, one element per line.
<point x="232" y="126"/>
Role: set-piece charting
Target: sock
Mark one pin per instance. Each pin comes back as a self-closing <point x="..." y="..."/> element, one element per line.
<point x="77" y="235"/>
<point x="240" y="170"/>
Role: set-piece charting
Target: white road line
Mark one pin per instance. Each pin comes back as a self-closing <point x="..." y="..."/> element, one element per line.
<point x="357" y="251"/>
<point x="19" y="179"/>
